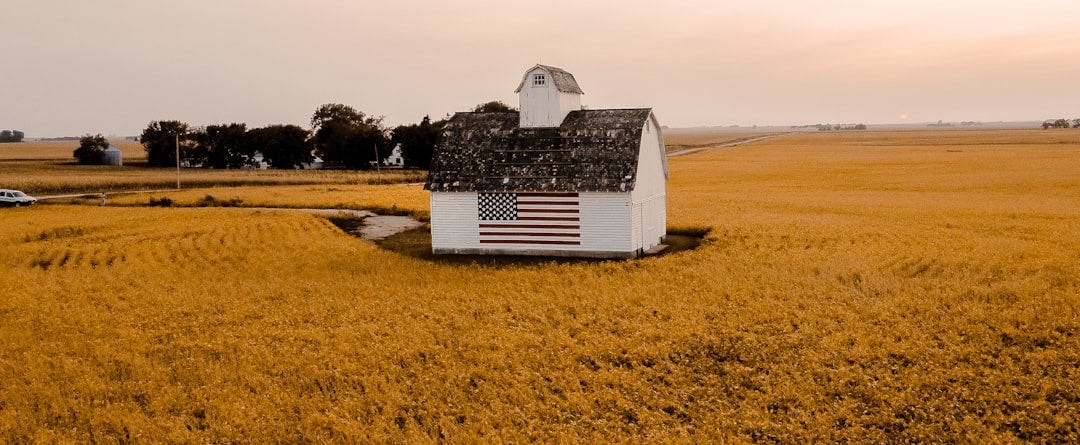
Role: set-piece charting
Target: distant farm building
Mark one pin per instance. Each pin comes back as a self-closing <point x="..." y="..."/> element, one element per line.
<point x="113" y="156"/>
<point x="315" y="164"/>
<point x="395" y="159"/>
<point x="257" y="161"/>
<point x="552" y="179"/>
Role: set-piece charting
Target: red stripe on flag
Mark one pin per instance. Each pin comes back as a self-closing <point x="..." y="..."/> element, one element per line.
<point x="547" y="218"/>
<point x="547" y="195"/>
<point x="553" y="235"/>
<point x="549" y="203"/>
<point x="528" y="226"/>
<point x="520" y="210"/>
<point x="511" y="241"/>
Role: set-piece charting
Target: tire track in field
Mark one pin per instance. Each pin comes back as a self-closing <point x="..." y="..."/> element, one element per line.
<point x="734" y="143"/>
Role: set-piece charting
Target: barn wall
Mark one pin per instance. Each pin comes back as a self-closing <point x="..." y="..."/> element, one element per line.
<point x="453" y="220"/>
<point x="606" y="222"/>
<point x="650" y="189"/>
<point x="567" y="102"/>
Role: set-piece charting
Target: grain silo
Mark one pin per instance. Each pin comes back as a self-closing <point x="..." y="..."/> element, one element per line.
<point x="113" y="156"/>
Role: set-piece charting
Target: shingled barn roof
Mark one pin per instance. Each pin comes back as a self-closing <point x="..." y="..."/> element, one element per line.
<point x="564" y="81"/>
<point x="592" y="151"/>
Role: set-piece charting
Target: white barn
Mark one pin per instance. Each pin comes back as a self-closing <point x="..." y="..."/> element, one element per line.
<point x="552" y="179"/>
<point x="396" y="159"/>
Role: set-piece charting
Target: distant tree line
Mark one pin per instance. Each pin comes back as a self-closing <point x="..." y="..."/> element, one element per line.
<point x="1061" y="123"/>
<point x="943" y="124"/>
<point x="225" y="145"/>
<point x="831" y="127"/>
<point x="340" y="135"/>
<point x="11" y="136"/>
<point x="842" y="127"/>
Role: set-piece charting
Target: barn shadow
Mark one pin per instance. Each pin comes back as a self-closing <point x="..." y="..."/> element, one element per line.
<point x="416" y="243"/>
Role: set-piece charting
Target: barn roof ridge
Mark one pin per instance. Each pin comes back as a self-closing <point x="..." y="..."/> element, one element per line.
<point x="564" y="81"/>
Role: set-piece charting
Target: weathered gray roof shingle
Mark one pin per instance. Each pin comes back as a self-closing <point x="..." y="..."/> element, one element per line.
<point x="564" y="81"/>
<point x="592" y="151"/>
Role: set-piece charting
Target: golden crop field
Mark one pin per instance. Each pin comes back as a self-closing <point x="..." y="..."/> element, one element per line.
<point x="406" y="197"/>
<point x="63" y="150"/>
<point x="47" y="168"/>
<point x="37" y="178"/>
<point x="861" y="287"/>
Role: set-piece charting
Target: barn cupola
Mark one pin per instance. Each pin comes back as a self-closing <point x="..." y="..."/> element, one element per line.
<point x="546" y="95"/>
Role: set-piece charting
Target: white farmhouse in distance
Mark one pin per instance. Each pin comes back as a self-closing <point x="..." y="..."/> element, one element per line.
<point x="395" y="159"/>
<point x="552" y="179"/>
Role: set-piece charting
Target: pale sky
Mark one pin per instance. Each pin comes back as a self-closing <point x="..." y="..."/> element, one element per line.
<point x="112" y="66"/>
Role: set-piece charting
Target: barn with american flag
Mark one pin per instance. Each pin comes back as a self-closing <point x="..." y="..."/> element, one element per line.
<point x="551" y="179"/>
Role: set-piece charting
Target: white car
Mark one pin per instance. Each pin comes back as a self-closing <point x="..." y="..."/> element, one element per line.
<point x="15" y="198"/>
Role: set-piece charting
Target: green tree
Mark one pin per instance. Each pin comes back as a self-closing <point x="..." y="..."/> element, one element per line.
<point x="418" y="141"/>
<point x="494" y="106"/>
<point x="221" y="146"/>
<point x="282" y="146"/>
<point x="11" y="136"/>
<point x="159" y="140"/>
<point x="348" y="137"/>
<point x="91" y="149"/>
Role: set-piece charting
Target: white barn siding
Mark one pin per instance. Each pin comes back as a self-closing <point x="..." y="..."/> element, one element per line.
<point x="650" y="193"/>
<point x="635" y="226"/>
<point x="453" y="221"/>
<point x="605" y="222"/>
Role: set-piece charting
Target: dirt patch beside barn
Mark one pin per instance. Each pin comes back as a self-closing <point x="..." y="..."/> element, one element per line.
<point x="373" y="227"/>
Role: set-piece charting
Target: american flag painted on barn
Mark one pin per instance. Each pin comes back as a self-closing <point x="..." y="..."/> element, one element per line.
<point x="541" y="219"/>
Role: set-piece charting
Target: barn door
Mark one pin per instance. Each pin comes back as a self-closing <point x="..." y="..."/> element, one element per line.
<point x="643" y="221"/>
<point x="648" y="224"/>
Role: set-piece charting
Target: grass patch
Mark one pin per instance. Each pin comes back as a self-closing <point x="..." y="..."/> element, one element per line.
<point x="689" y="231"/>
<point x="211" y="201"/>
<point x="347" y="223"/>
<point x="393" y="210"/>
<point x="161" y="202"/>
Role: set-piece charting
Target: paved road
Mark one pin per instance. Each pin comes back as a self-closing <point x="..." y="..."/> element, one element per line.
<point x="723" y="145"/>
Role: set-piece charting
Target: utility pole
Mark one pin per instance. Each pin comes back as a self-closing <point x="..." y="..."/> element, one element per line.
<point x="378" y="161"/>
<point x="177" y="160"/>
